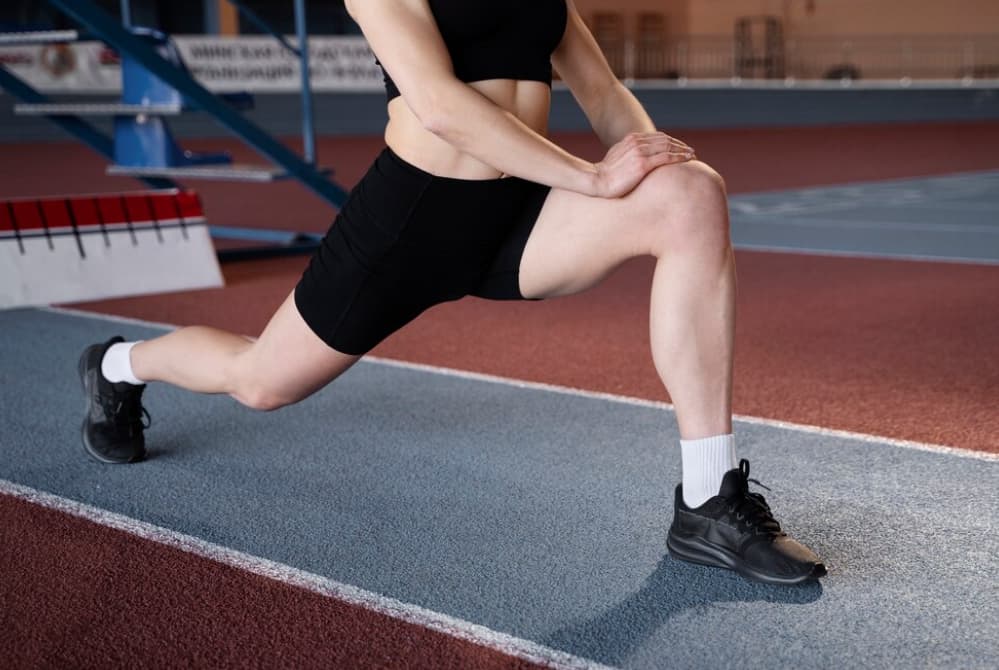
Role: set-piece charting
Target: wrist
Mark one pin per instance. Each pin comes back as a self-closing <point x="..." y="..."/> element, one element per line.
<point x="590" y="182"/>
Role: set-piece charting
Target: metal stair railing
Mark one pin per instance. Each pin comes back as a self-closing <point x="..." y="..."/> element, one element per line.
<point x="302" y="51"/>
<point x="106" y="27"/>
<point x="38" y="37"/>
<point x="90" y="135"/>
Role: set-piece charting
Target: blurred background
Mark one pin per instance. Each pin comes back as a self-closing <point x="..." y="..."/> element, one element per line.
<point x="649" y="39"/>
<point x="693" y="63"/>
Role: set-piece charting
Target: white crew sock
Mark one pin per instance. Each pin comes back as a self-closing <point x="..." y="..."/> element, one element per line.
<point x="116" y="366"/>
<point x="705" y="463"/>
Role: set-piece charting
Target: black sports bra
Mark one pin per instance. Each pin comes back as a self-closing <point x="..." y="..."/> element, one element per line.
<point x="498" y="39"/>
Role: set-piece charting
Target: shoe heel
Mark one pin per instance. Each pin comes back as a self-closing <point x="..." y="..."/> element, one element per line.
<point x="81" y="368"/>
<point x="692" y="551"/>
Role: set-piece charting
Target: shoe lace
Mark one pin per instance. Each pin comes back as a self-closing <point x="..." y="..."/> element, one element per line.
<point x="125" y="412"/>
<point x="751" y="508"/>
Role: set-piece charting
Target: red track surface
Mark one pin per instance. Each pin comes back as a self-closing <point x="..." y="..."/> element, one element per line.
<point x="109" y="599"/>
<point x="898" y="349"/>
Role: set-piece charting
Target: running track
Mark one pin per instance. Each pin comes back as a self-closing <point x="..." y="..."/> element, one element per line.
<point x="899" y="349"/>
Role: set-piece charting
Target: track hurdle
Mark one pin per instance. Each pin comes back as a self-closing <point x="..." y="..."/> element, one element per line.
<point x="88" y="247"/>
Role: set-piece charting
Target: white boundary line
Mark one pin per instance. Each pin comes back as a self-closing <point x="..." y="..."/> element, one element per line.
<point x="593" y="395"/>
<point x="961" y="177"/>
<point x="641" y="402"/>
<point x="806" y="220"/>
<point x="114" y="318"/>
<point x="863" y="255"/>
<point x="413" y="614"/>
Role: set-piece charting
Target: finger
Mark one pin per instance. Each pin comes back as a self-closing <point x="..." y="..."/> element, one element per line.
<point x="677" y="157"/>
<point x="663" y="159"/>
<point x="681" y="143"/>
<point x="663" y="144"/>
<point x="658" y="136"/>
<point x="667" y="143"/>
<point x="652" y="149"/>
<point x="678" y="142"/>
<point x="670" y="150"/>
<point x="669" y="158"/>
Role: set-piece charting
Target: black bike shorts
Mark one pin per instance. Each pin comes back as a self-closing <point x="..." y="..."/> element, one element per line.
<point x="406" y="240"/>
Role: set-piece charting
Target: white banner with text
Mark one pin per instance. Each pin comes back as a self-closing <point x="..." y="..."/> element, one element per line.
<point x="224" y="64"/>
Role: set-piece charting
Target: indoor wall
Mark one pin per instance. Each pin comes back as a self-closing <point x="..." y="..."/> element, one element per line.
<point x="814" y="17"/>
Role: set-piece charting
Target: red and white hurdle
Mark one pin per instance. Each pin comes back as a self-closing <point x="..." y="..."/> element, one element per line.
<point x="87" y="247"/>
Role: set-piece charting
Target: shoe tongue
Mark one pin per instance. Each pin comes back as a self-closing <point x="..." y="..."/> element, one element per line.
<point x="733" y="484"/>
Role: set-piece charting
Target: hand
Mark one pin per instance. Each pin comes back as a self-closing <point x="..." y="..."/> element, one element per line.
<point x="628" y="161"/>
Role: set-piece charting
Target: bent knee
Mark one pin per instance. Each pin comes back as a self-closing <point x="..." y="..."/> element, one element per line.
<point x="261" y="399"/>
<point x="692" y="182"/>
<point x="261" y="394"/>
<point x="685" y="205"/>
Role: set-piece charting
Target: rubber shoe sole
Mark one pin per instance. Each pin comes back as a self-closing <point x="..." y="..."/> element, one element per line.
<point x="697" y="550"/>
<point x="87" y="395"/>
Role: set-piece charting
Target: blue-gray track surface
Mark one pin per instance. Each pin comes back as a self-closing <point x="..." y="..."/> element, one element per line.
<point x="536" y="513"/>
<point x="953" y="217"/>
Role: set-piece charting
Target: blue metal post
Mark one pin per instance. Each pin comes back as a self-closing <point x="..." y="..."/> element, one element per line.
<point x="308" y="127"/>
<point x="262" y="25"/>
<point x="126" y="13"/>
<point x="211" y="17"/>
<point x="107" y="28"/>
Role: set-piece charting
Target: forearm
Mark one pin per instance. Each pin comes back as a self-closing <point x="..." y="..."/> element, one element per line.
<point x="473" y="124"/>
<point x="618" y="114"/>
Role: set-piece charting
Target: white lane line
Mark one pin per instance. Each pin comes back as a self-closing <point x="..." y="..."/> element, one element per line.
<point x="873" y="255"/>
<point x="970" y="179"/>
<point x="413" y="614"/>
<point x="836" y="197"/>
<point x="641" y="402"/>
<point x="949" y="205"/>
<point x="593" y="395"/>
<point x="808" y="221"/>
<point x="114" y="318"/>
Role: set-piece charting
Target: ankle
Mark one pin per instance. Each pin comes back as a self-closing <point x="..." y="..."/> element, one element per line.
<point x="116" y="366"/>
<point x="705" y="462"/>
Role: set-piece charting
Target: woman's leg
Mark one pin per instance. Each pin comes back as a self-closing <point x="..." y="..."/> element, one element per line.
<point x="287" y="363"/>
<point x="678" y="214"/>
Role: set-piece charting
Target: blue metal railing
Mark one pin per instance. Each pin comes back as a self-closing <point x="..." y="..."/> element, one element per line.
<point x="126" y="13"/>
<point x="107" y="28"/>
<point x="308" y="127"/>
<point x="302" y="51"/>
<point x="262" y="25"/>
<point x="75" y="126"/>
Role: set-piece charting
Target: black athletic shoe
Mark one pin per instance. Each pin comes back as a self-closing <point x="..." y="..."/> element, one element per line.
<point x="736" y="530"/>
<point x="112" y="429"/>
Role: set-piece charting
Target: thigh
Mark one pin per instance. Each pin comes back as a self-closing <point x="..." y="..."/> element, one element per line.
<point x="289" y="361"/>
<point x="577" y="239"/>
<point x="575" y="242"/>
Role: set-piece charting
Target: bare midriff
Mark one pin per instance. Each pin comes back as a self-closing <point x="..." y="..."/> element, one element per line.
<point x="527" y="100"/>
